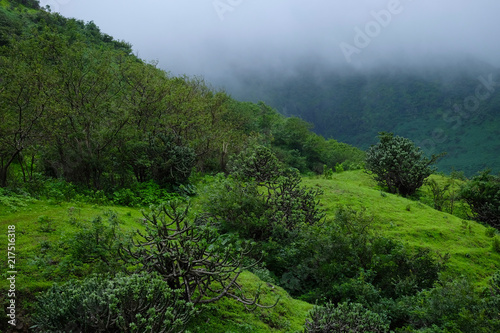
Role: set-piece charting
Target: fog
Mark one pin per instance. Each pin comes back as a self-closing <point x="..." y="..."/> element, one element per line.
<point x="218" y="38"/>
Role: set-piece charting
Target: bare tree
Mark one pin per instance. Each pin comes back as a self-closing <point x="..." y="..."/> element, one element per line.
<point x="191" y="256"/>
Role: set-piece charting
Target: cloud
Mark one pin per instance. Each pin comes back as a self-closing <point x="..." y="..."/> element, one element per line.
<point x="215" y="37"/>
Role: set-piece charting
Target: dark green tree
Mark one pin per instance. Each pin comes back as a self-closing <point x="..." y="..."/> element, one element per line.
<point x="482" y="193"/>
<point x="395" y="162"/>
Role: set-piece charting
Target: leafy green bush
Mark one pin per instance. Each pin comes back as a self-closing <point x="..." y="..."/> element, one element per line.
<point x="135" y="303"/>
<point x="455" y="306"/>
<point x="97" y="243"/>
<point x="327" y="172"/>
<point x="339" y="168"/>
<point x="482" y="193"/>
<point x="345" y="318"/>
<point x="237" y="207"/>
<point x="262" y="199"/>
<point x="495" y="245"/>
<point x="398" y="164"/>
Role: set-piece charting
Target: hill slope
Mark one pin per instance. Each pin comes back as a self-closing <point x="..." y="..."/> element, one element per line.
<point x="42" y="254"/>
<point x="418" y="103"/>
<point x="414" y="223"/>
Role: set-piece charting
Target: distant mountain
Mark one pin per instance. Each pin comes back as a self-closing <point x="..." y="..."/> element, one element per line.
<point x="452" y="106"/>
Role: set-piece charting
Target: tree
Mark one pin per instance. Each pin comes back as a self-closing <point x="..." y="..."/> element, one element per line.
<point x="287" y="205"/>
<point x="191" y="256"/>
<point x="398" y="164"/>
<point x="27" y="86"/>
<point x="482" y="193"/>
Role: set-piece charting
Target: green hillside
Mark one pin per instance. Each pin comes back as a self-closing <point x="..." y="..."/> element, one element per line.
<point x="414" y="223"/>
<point x="45" y="229"/>
<point x="352" y="106"/>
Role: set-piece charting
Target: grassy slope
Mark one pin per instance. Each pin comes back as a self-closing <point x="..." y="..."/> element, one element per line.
<point x="470" y="249"/>
<point x="414" y="223"/>
<point x="226" y="316"/>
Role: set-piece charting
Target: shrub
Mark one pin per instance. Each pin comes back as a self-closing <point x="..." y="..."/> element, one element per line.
<point x="397" y="164"/>
<point x="45" y="223"/>
<point x="482" y="193"/>
<point x="345" y="317"/>
<point x="454" y="306"/>
<point x="135" y="303"/>
<point x="190" y="255"/>
<point x="339" y="168"/>
<point x="495" y="245"/>
<point x="96" y="243"/>
<point x="266" y="199"/>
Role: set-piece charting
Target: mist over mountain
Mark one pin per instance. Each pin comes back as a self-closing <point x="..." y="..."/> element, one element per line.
<point x="443" y="104"/>
<point x="351" y="68"/>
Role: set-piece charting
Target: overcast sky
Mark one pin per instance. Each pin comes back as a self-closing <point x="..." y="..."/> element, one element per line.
<point x="216" y="37"/>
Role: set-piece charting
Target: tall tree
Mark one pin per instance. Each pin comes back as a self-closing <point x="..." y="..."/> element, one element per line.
<point x="27" y="88"/>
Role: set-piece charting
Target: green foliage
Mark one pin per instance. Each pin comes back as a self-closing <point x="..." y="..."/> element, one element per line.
<point x="455" y="306"/>
<point x="495" y="244"/>
<point x="397" y="164"/>
<point x="342" y="260"/>
<point x="97" y="243"/>
<point x="135" y="303"/>
<point x="490" y="232"/>
<point x="45" y="223"/>
<point x="161" y="159"/>
<point x="237" y="207"/>
<point x="345" y="317"/>
<point x="339" y="168"/>
<point x="191" y="256"/>
<point x="265" y="199"/>
<point x="482" y="193"/>
<point x="438" y="193"/>
<point x="327" y="172"/>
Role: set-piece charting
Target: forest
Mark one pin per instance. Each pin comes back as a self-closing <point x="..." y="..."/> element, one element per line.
<point x="450" y="107"/>
<point x="133" y="200"/>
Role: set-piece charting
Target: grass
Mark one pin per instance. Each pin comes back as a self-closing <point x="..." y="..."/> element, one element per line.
<point x="416" y="224"/>
<point x="41" y="224"/>
<point x="228" y="315"/>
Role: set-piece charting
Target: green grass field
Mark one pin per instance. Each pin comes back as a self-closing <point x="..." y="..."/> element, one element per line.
<point x="42" y="225"/>
<point x="414" y="223"/>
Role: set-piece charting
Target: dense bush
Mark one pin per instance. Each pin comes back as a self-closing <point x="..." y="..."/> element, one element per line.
<point x="97" y="243"/>
<point x="262" y="198"/>
<point x="345" y="318"/>
<point x="135" y="303"/>
<point x="454" y="306"/>
<point x="482" y="193"/>
<point x="398" y="164"/>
